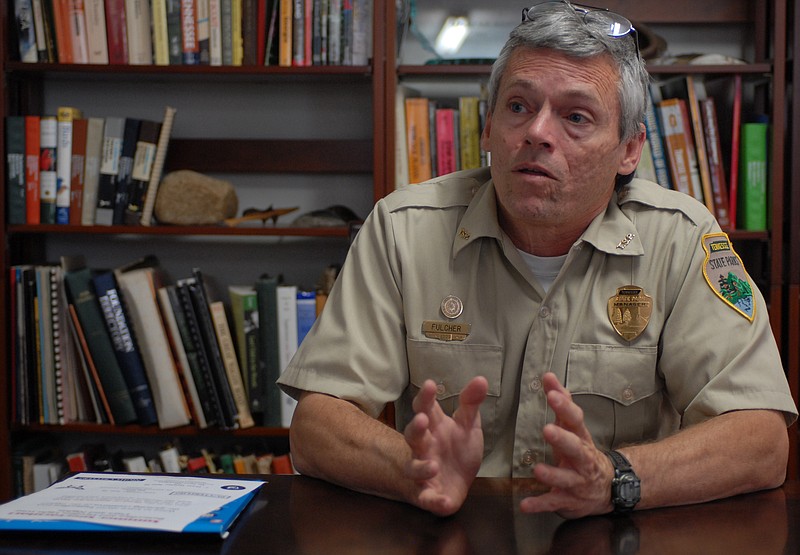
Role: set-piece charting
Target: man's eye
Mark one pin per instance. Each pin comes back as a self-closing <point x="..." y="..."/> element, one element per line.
<point x="576" y="118"/>
<point x="516" y="107"/>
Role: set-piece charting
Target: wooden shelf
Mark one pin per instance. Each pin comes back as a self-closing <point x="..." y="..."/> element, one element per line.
<point x="133" y="429"/>
<point x="187" y="231"/>
<point x="443" y="70"/>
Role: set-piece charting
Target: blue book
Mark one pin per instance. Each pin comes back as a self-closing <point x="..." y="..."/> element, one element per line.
<point x="306" y="313"/>
<point x="125" y="347"/>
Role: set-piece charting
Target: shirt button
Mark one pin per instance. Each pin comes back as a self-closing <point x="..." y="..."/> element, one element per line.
<point x="528" y="458"/>
<point x="627" y="393"/>
<point x="536" y="384"/>
<point x="440" y="389"/>
<point x="544" y="312"/>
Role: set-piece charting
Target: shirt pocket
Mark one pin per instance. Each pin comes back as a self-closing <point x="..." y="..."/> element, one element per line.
<point x="619" y="390"/>
<point x="451" y="366"/>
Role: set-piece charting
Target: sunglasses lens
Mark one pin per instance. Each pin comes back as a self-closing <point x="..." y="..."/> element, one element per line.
<point x="614" y="24"/>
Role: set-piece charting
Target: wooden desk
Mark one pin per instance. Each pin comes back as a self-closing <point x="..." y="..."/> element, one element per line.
<point x="294" y="515"/>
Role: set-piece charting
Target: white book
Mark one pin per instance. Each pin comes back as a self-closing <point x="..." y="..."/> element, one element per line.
<point x="215" y="32"/>
<point x="65" y="117"/>
<point x="77" y="28"/>
<point x="286" y="296"/>
<point x="139" y="293"/>
<point x="96" y="34"/>
<point x="91" y="169"/>
<point x="137" y="21"/>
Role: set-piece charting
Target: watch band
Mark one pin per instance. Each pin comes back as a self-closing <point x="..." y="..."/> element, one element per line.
<point x="625" y="486"/>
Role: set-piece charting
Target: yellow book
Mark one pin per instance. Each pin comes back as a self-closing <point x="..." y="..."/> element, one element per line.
<point x="236" y="32"/>
<point x="469" y="132"/>
<point x="229" y="360"/>
<point x="285" y="33"/>
<point x="160" y="40"/>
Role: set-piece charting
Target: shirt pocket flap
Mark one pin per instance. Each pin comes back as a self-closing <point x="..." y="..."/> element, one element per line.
<point x="453" y="365"/>
<point x="623" y="374"/>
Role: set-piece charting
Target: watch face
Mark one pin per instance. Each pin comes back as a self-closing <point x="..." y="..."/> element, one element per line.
<point x="628" y="491"/>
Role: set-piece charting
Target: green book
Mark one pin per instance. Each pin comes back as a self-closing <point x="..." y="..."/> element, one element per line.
<point x="244" y="310"/>
<point x="754" y="156"/>
<point x="268" y="356"/>
<point x="81" y="294"/>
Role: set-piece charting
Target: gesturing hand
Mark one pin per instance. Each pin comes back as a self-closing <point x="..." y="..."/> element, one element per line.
<point x="580" y="482"/>
<point x="446" y="452"/>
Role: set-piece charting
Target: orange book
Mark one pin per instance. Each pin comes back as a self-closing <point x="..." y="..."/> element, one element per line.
<point x="418" y="140"/>
<point x="79" y="129"/>
<point x="672" y="124"/>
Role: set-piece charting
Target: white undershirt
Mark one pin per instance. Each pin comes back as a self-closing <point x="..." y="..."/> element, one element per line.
<point x="544" y="268"/>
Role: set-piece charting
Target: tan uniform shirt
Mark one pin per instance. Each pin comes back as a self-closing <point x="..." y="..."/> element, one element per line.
<point x="695" y="355"/>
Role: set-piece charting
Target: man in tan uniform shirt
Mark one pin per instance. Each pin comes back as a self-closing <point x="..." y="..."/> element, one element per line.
<point x="565" y="315"/>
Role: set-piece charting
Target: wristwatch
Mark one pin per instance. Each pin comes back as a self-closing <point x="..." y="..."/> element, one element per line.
<point x="626" y="489"/>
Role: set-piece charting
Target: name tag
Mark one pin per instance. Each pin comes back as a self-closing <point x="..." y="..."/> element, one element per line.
<point x="445" y="331"/>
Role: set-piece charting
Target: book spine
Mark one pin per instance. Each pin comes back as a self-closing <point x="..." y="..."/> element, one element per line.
<point x="236" y="33"/>
<point x="96" y="34"/>
<point x="143" y="160"/>
<point x="203" y="31"/>
<point x="470" y="132"/>
<point x="175" y="47"/>
<point x="32" y="182"/>
<point x="160" y="33"/>
<point x="362" y="31"/>
<point x="654" y="134"/>
<point x="285" y="40"/>
<point x="716" y="167"/>
<point x="77" y="30"/>
<point x="675" y="140"/>
<point x="91" y="171"/>
<point x="26" y="31"/>
<point x="124" y="179"/>
<point x="265" y="389"/>
<point x="66" y="115"/>
<point x="77" y="168"/>
<point x="231" y="364"/>
<point x="754" y="170"/>
<point x="244" y="311"/>
<point x="125" y="347"/>
<point x="48" y="141"/>
<point x="335" y="32"/>
<point x="287" y="341"/>
<point x="226" y="30"/>
<point x="109" y="169"/>
<point x="262" y="22"/>
<point x="158" y="166"/>
<point x="137" y="20"/>
<point x="298" y="33"/>
<point x="418" y="139"/>
<point x="215" y="32"/>
<point x="249" y="32"/>
<point x="15" y="169"/>
<point x="735" y="147"/>
<point x="62" y="31"/>
<point x="81" y="294"/>
<point x="189" y="47"/>
<point x="117" y="31"/>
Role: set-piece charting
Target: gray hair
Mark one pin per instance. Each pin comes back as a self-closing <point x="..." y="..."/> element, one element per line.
<point x="561" y="28"/>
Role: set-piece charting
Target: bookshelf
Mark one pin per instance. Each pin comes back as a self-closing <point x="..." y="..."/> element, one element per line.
<point x="325" y="135"/>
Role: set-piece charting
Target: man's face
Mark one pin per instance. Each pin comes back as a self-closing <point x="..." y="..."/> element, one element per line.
<point x="554" y="142"/>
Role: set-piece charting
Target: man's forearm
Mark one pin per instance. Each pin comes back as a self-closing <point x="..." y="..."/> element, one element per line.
<point x="333" y="440"/>
<point x="733" y="453"/>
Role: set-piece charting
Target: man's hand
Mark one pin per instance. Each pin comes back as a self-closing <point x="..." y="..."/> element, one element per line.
<point x="446" y="452"/>
<point x="580" y="483"/>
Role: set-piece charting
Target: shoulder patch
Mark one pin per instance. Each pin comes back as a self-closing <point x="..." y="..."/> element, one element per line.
<point x="725" y="274"/>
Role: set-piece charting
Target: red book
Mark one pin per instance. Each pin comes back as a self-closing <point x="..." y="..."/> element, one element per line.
<point x="445" y="141"/>
<point x="117" y="31"/>
<point x="282" y="464"/>
<point x="308" y="35"/>
<point x="61" y="23"/>
<point x="261" y="31"/>
<point x="32" y="182"/>
<point x="79" y="128"/>
<point x="733" y="193"/>
<point x="719" y="186"/>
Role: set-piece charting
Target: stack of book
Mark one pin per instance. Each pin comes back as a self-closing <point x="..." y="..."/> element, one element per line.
<point x="690" y="147"/>
<point x="195" y="32"/>
<point x="128" y="346"/>
<point x="84" y="170"/>
<point x="438" y="136"/>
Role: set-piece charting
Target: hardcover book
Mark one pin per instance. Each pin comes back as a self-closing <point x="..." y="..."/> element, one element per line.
<point x="143" y="160"/>
<point x="753" y="172"/>
<point x="80" y="128"/>
<point x="96" y="34"/>
<point x="231" y="364"/>
<point x="124" y="177"/>
<point x="264" y="392"/>
<point x="48" y="141"/>
<point x="66" y="116"/>
<point x="113" y="133"/>
<point x="91" y="169"/>
<point x="137" y="21"/>
<point x="15" y="169"/>
<point x="117" y="30"/>
<point x="418" y="139"/>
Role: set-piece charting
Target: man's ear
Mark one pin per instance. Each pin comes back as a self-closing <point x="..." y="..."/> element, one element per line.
<point x="632" y="153"/>
<point x="487" y="128"/>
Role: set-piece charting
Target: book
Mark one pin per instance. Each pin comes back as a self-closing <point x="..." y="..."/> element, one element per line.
<point x="418" y="139"/>
<point x="61" y="27"/>
<point x="91" y="168"/>
<point x="202" y="30"/>
<point x="237" y="54"/>
<point x="158" y="166"/>
<point x="298" y="33"/>
<point x="335" y="32"/>
<point x="80" y="128"/>
<point x="736" y="123"/>
<point x="143" y="159"/>
<point x="94" y="388"/>
<point x="125" y="346"/>
<point x="138" y="288"/>
<point x="124" y="178"/>
<point x="265" y="393"/>
<point x="137" y="21"/>
<point x="753" y="171"/>
<point x="226" y="31"/>
<point x="77" y="31"/>
<point x="250" y="24"/>
<point x="160" y="35"/>
<point x="245" y="323"/>
<point x="189" y="329"/>
<point x="446" y="160"/>
<point x="271" y="40"/>
<point x="167" y="307"/>
<point x="15" y="169"/>
<point x="117" y="31"/>
<point x="175" y="46"/>
<point x="716" y="165"/>
<point x="286" y="296"/>
<point x="45" y="394"/>
<point x="48" y="141"/>
<point x="469" y="132"/>
<point x="78" y="279"/>
<point x="672" y="124"/>
<point x="361" y="32"/>
<point x="189" y="46"/>
<point x="113" y="133"/>
<point x="96" y="34"/>
<point x="285" y="27"/>
<point x="25" y="30"/>
<point x="65" y="117"/>
<point x="231" y="364"/>
<point x="654" y="139"/>
<point x="43" y="24"/>
<point x="696" y="93"/>
<point x="215" y="32"/>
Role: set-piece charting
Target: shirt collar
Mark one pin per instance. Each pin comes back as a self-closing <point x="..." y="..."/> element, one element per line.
<point x="611" y="231"/>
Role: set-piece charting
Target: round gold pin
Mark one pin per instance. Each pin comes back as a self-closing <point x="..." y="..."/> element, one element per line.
<point x="452" y="307"/>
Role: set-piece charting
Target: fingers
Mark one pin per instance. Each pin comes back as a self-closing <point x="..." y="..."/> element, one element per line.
<point x="568" y="414"/>
<point x="469" y="402"/>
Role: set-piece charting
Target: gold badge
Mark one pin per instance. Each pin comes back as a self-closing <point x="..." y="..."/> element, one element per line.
<point x="445" y="331"/>
<point x="452" y="307"/>
<point x="629" y="311"/>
